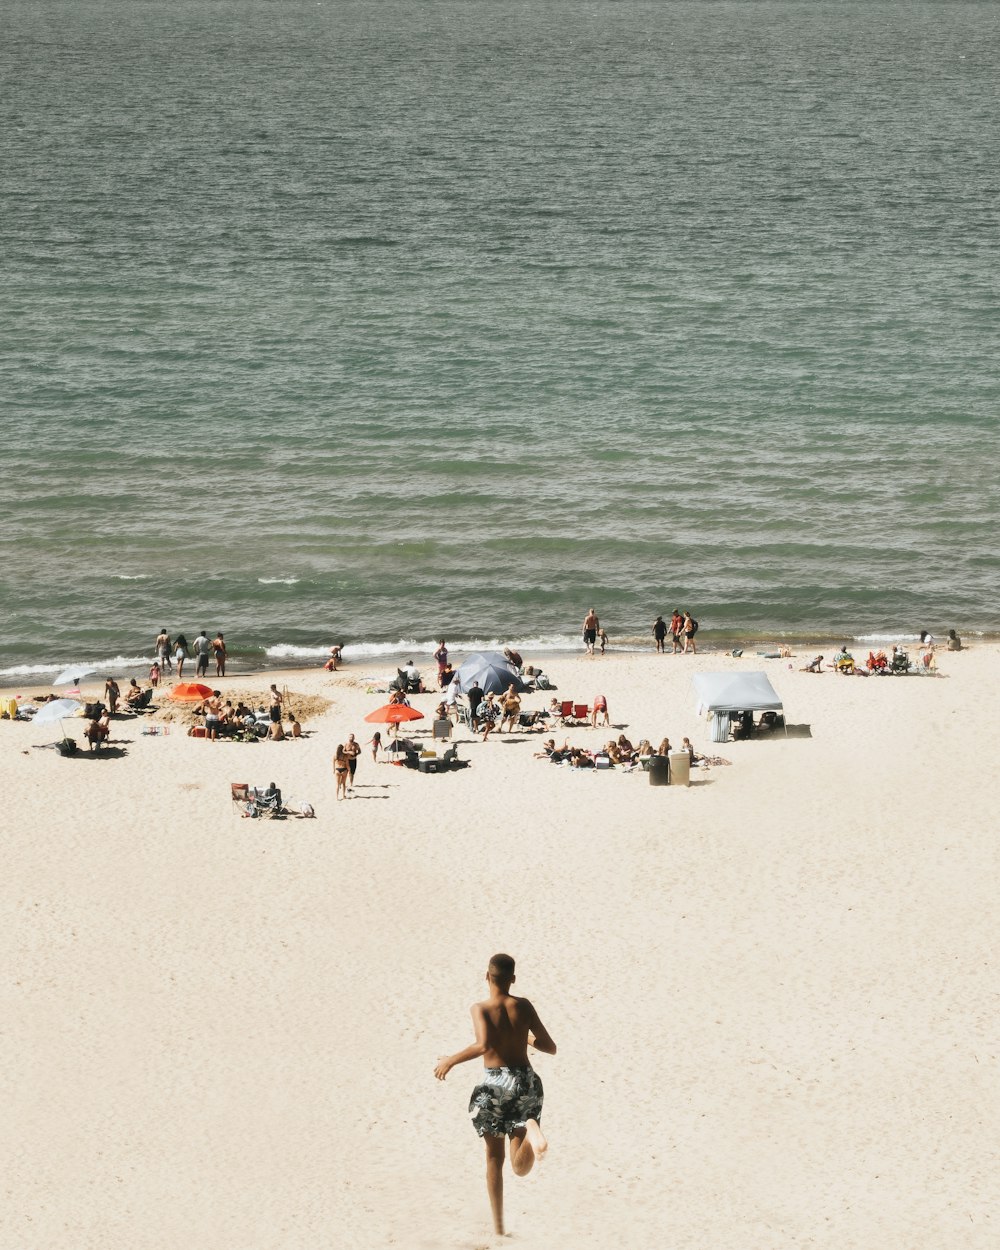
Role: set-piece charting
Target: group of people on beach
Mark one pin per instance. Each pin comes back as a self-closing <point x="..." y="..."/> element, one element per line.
<point x="879" y="663"/>
<point x="173" y="653"/>
<point x="682" y="630"/>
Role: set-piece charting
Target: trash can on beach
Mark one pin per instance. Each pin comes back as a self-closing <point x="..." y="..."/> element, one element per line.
<point x="680" y="768"/>
<point x="659" y="770"/>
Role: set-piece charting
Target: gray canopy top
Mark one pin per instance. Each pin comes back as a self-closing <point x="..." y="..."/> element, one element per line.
<point x="735" y="692"/>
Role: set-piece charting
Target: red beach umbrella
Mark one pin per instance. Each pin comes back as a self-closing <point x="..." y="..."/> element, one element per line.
<point x="393" y="714"/>
<point x="190" y="692"/>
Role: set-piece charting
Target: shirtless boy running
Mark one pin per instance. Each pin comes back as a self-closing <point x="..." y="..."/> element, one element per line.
<point x="508" y="1100"/>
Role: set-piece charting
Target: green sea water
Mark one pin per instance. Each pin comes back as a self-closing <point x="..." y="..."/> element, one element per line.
<point x="376" y="322"/>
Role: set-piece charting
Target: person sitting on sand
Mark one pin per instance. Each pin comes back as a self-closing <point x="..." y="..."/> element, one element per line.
<point x="814" y="666"/>
<point x="843" y="661"/>
<point x="644" y="750"/>
<point x="335" y="653"/>
<point x="625" y="748"/>
<point x="954" y="642"/>
<point x="275" y="731"/>
<point x="548" y="746"/>
<point x="134" y="693"/>
<point x="97" y="733"/>
<point x="293" y="729"/>
<point x="664" y="747"/>
<point x="612" y="752"/>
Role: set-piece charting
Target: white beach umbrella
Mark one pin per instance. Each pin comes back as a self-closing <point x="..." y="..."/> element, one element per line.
<point x="71" y="676"/>
<point x="56" y="710"/>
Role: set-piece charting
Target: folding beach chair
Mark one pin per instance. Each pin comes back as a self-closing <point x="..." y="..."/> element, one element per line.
<point x="240" y="795"/>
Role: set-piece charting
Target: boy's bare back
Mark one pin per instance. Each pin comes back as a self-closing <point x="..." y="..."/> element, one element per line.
<point x="507" y="1023"/>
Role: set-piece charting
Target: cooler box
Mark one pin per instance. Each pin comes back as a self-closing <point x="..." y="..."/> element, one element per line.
<point x="659" y="770"/>
<point x="429" y="764"/>
<point x="680" y="768"/>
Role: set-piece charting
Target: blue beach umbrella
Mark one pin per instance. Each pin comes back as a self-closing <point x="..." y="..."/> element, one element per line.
<point x="493" y="671"/>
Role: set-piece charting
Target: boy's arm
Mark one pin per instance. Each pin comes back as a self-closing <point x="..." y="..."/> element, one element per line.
<point x="445" y="1064"/>
<point x="538" y="1035"/>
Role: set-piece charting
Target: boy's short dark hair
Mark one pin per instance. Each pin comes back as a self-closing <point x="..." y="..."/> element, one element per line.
<point x="501" y="968"/>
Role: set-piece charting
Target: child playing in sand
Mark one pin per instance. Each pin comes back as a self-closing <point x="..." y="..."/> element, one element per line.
<point x="507" y="1102"/>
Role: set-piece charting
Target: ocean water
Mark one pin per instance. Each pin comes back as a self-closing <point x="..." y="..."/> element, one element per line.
<point x="376" y="322"/>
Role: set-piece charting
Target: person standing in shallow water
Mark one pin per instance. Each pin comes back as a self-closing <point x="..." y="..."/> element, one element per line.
<point x="507" y="1102"/>
<point x="590" y="627"/>
<point x="660" y="633"/>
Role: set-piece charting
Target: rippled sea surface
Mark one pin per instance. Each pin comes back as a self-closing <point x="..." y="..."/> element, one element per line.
<point x="369" y="322"/>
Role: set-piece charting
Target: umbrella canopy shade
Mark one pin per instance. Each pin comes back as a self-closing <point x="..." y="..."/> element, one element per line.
<point x="394" y="714"/>
<point x="71" y="676"/>
<point x="56" y="710"/>
<point x="735" y="692"/>
<point x="190" y="692"/>
<point x="493" y="671"/>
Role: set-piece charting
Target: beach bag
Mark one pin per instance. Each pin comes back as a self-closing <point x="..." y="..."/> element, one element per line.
<point x="542" y="682"/>
<point x="66" y="746"/>
<point x="694" y="627"/>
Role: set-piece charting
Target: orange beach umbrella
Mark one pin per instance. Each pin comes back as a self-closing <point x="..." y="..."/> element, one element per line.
<point x="190" y="692"/>
<point x="393" y="714"/>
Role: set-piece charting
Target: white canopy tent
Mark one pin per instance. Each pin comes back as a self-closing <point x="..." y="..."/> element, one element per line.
<point x="722" y="693"/>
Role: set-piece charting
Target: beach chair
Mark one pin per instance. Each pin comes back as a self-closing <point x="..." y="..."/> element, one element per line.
<point x="240" y="796"/>
<point x="581" y="711"/>
<point x="566" y="708"/>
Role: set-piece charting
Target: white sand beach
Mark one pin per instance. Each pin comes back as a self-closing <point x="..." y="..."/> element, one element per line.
<point x="773" y="992"/>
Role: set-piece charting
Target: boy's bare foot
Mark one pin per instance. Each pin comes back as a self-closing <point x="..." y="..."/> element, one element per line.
<point x="535" y="1138"/>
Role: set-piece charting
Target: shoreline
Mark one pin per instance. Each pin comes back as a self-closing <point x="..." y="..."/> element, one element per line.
<point x="358" y="657"/>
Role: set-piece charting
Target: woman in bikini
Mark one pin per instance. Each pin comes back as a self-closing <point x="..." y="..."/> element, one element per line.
<point x="340" y="771"/>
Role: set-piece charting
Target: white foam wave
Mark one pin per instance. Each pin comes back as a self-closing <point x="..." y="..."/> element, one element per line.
<point x="286" y="651"/>
<point x="27" y="670"/>
<point x="131" y="577"/>
<point x="424" y="648"/>
<point x="116" y="664"/>
<point x="886" y="637"/>
<point x="277" y="581"/>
